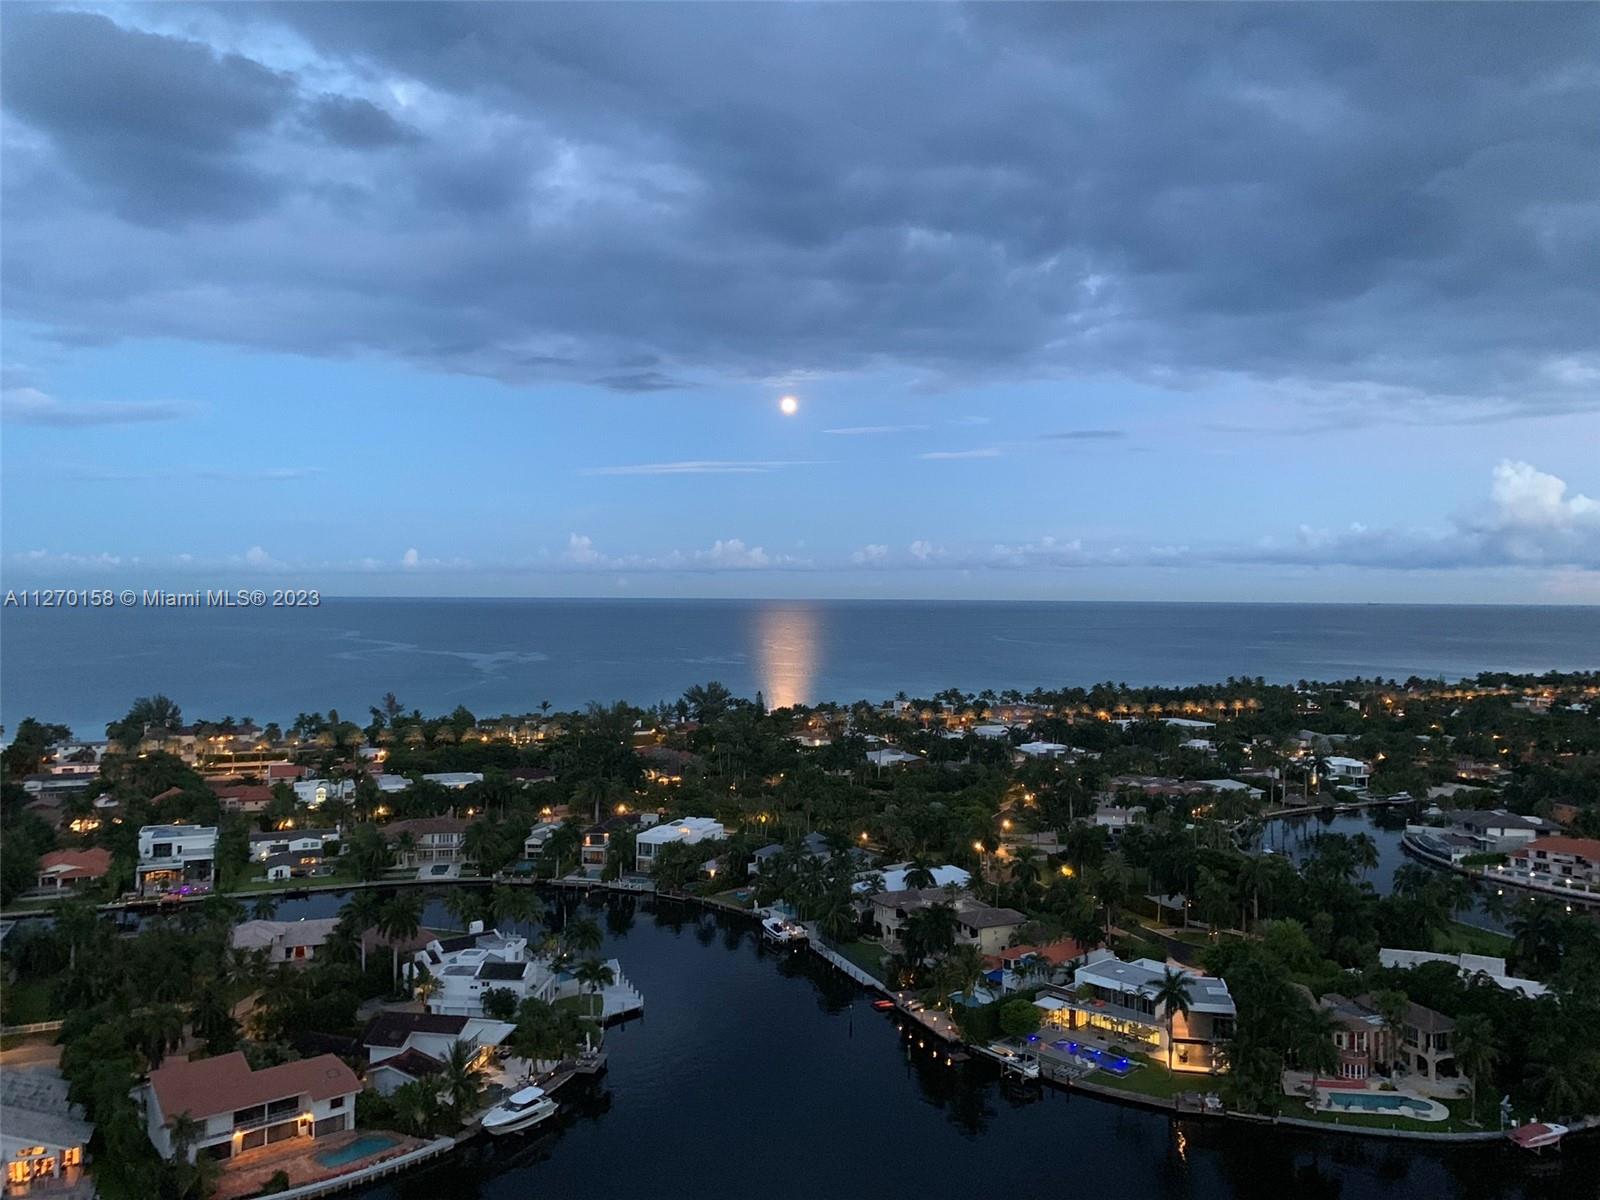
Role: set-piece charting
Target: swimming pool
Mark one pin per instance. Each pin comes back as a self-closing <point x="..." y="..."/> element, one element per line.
<point x="372" y="1143"/>
<point x="1116" y="1064"/>
<point x="1393" y="1103"/>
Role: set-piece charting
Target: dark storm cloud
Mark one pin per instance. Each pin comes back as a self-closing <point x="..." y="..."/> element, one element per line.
<point x="1391" y="208"/>
<point x="155" y="125"/>
<point x="356" y="123"/>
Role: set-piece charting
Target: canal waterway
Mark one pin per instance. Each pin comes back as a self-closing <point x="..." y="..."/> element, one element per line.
<point x="759" y="1072"/>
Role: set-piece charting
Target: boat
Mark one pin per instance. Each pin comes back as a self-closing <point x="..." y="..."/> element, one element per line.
<point x="1012" y="1061"/>
<point x="519" y="1111"/>
<point x="1537" y="1135"/>
<point x="784" y="931"/>
<point x="883" y="1005"/>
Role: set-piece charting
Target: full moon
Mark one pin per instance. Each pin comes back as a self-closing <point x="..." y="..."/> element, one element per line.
<point x="789" y="405"/>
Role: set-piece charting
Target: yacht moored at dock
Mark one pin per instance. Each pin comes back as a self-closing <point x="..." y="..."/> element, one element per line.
<point x="519" y="1111"/>
<point x="782" y="930"/>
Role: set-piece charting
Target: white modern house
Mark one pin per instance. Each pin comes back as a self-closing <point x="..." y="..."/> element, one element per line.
<point x="290" y="841"/>
<point x="1471" y="966"/>
<point x="893" y="879"/>
<point x="1120" y="999"/>
<point x="316" y="792"/>
<point x="454" y="780"/>
<point x="239" y="1109"/>
<point x="176" y="858"/>
<point x="889" y="756"/>
<point x="1343" y="771"/>
<point x="1041" y="750"/>
<point x="688" y="830"/>
<point x="468" y="966"/>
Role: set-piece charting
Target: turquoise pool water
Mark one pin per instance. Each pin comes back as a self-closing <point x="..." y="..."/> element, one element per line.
<point x="1381" y="1102"/>
<point x="360" y="1148"/>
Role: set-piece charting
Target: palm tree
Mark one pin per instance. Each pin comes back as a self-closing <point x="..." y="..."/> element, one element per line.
<point x="399" y="921"/>
<point x="516" y="905"/>
<point x="465" y="905"/>
<point x="264" y="908"/>
<point x="186" y="1131"/>
<point x="360" y="913"/>
<point x="1475" y="1051"/>
<point x="461" y="1083"/>
<point x="582" y="936"/>
<point x="594" y="975"/>
<point x="1314" y="1047"/>
<point x="1173" y="996"/>
<point x="416" y="1104"/>
<point x="918" y="874"/>
<point x="1391" y="1006"/>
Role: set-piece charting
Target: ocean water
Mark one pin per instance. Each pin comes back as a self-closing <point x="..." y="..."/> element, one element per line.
<point x="83" y="667"/>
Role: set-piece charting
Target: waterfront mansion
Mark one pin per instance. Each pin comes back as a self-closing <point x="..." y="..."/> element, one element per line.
<point x="1121" y="999"/>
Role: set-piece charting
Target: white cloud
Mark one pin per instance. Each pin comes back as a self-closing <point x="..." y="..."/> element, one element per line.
<point x="867" y="430"/>
<point x="950" y="455"/>
<point x="259" y="559"/>
<point x="870" y="554"/>
<point x="698" y="467"/>
<point x="1527" y="498"/>
<point x="30" y="406"/>
<point x="580" y="550"/>
<point x="924" y="551"/>
<point x="410" y="559"/>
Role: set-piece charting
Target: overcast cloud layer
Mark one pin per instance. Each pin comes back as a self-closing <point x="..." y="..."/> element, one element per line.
<point x="500" y="297"/>
<point x="1358" y="204"/>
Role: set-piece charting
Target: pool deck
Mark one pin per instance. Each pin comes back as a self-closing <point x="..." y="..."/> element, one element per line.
<point x="246" y="1174"/>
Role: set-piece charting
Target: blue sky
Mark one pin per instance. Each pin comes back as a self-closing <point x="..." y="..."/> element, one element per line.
<point x="502" y="300"/>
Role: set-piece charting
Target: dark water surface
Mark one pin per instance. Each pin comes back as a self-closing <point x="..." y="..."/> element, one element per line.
<point x="759" y="1073"/>
<point x="83" y="667"/>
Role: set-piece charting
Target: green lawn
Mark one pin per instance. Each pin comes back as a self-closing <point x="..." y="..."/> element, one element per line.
<point x="866" y="955"/>
<point x="732" y="898"/>
<point x="1152" y="1079"/>
<point x="587" y="1005"/>
<point x="1295" y="1107"/>
<point x="1138" y="947"/>
<point x="1466" y="939"/>
<point x="25" y="1002"/>
<point x="343" y="876"/>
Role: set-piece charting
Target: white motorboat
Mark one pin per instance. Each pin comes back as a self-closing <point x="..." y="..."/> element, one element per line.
<point x="1537" y="1135"/>
<point x="782" y="930"/>
<point x="519" y="1111"/>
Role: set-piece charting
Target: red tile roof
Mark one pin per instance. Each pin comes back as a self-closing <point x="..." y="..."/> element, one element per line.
<point x="207" y="1087"/>
<point x="77" y="864"/>
<point x="1588" y="848"/>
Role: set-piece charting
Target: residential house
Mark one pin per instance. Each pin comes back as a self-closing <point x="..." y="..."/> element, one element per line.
<point x="454" y="780"/>
<point x="889" y="756"/>
<point x="893" y="879"/>
<point x="405" y="1046"/>
<point x="44" y="1137"/>
<point x="1560" y="859"/>
<point x="1017" y="967"/>
<point x="285" y="941"/>
<point x="1364" y="1043"/>
<point x="291" y="841"/>
<point x="533" y="844"/>
<point x="1499" y="832"/>
<point x="988" y="928"/>
<point x="1345" y="772"/>
<point x="427" y="840"/>
<point x="1039" y="750"/>
<point x="687" y="831"/>
<point x="977" y="924"/>
<point x="1425" y="1049"/>
<point x="813" y="845"/>
<point x="1115" y="819"/>
<point x="243" y="797"/>
<point x="67" y="869"/>
<point x="176" y="858"/>
<point x="1120" y="998"/>
<point x="1231" y="787"/>
<point x="316" y="792"/>
<point x="239" y="1109"/>
<point x="466" y="967"/>
<point x="1471" y="966"/>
